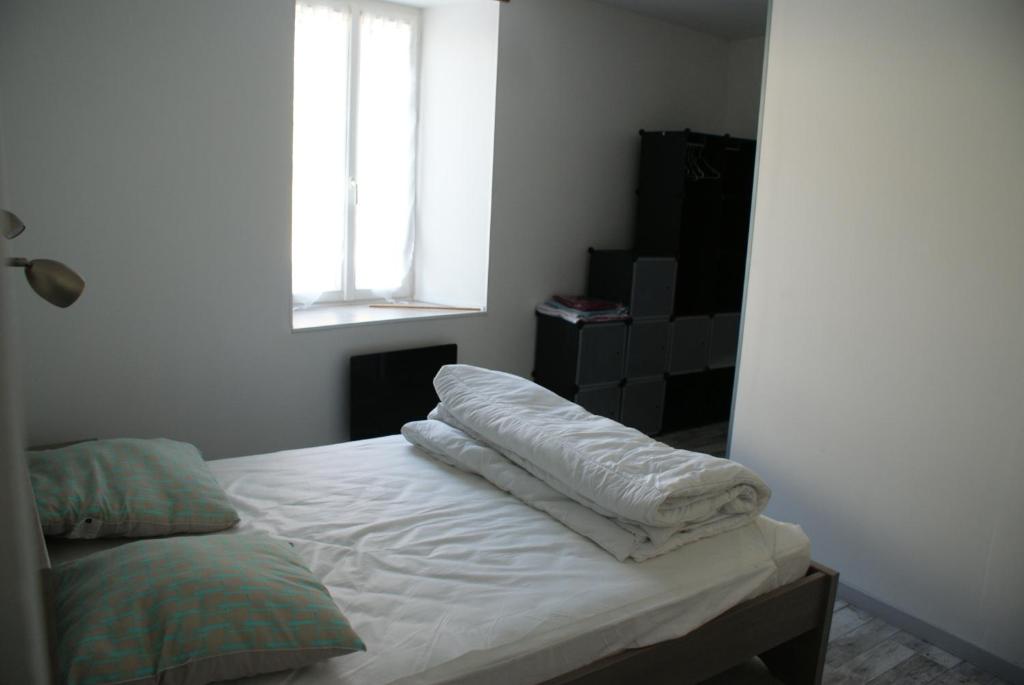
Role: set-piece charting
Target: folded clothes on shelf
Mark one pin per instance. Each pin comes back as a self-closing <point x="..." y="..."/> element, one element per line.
<point x="575" y="308"/>
<point x="586" y="304"/>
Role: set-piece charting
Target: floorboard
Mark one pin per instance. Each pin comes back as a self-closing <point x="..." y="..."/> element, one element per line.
<point x="939" y="656"/>
<point x="859" y="640"/>
<point x="846" y="620"/>
<point x="868" y="665"/>
<point x="917" y="670"/>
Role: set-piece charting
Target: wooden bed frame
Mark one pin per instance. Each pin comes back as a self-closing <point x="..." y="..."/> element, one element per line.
<point x="787" y="627"/>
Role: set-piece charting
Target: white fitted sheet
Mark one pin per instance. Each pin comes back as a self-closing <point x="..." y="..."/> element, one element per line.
<point x="449" y="580"/>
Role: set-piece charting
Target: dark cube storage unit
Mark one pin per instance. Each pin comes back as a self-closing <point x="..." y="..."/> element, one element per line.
<point x="686" y="401"/>
<point x="673" y="365"/>
<point x="719" y="398"/>
<point x="691" y="340"/>
<point x="603" y="400"/>
<point x="647" y="348"/>
<point x="725" y="340"/>
<point x="644" y="284"/>
<point x="697" y="399"/>
<point x="571" y="357"/>
<point x="643" y="404"/>
<point x="694" y="203"/>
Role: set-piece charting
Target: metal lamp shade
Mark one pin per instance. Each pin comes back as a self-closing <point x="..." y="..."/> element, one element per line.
<point x="10" y="225"/>
<point x="54" y="282"/>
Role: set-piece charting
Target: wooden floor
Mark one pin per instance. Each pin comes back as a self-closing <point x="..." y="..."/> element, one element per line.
<point x="863" y="649"/>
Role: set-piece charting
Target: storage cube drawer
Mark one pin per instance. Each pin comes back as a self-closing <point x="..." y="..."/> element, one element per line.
<point x="601" y="352"/>
<point x="725" y="338"/>
<point x="569" y="355"/>
<point x="644" y="284"/>
<point x="602" y="400"/>
<point x="647" y="349"/>
<point x="686" y="401"/>
<point x="697" y="399"/>
<point x="643" y="404"/>
<point x="654" y="287"/>
<point x="691" y="338"/>
<point x="661" y="192"/>
<point x="719" y="398"/>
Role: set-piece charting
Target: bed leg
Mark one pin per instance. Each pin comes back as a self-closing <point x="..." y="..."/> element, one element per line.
<point x="801" y="661"/>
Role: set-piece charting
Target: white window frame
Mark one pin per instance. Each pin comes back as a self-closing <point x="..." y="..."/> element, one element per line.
<point x="349" y="294"/>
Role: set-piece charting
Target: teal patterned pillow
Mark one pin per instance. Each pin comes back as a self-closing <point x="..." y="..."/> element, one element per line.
<point x="127" y="488"/>
<point x="193" y="610"/>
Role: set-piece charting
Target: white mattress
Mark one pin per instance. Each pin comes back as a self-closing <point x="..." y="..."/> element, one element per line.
<point x="449" y="580"/>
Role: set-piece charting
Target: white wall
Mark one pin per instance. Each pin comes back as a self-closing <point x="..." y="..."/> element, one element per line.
<point x="149" y="143"/>
<point x="458" y="80"/>
<point x="881" y="378"/>
<point x="743" y="87"/>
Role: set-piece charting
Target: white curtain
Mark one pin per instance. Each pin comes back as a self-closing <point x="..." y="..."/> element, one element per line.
<point x="385" y="153"/>
<point x="353" y="201"/>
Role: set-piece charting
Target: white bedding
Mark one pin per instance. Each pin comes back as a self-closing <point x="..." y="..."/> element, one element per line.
<point x="455" y="448"/>
<point x="670" y="496"/>
<point x="450" y="580"/>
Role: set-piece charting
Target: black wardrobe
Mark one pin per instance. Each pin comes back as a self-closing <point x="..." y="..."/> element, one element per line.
<point x="693" y="203"/>
<point x="672" y="365"/>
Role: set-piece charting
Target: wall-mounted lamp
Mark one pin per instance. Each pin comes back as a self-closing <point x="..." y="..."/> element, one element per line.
<point x="10" y="225"/>
<point x="53" y="281"/>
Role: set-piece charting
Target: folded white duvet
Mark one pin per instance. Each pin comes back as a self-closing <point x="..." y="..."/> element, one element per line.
<point x="668" y="496"/>
<point x="453" y="447"/>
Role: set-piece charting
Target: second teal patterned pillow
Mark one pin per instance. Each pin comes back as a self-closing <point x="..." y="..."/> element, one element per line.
<point x="127" y="488"/>
<point x="193" y="610"/>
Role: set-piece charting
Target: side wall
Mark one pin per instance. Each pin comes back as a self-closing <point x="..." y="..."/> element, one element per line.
<point x="881" y="377"/>
<point x="148" y="146"/>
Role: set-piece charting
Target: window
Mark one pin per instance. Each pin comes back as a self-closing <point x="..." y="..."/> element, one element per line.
<point x="392" y="160"/>
<point x="354" y="150"/>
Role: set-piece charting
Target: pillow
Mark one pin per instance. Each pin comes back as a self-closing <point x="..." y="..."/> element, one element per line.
<point x="192" y="610"/>
<point x="127" y="488"/>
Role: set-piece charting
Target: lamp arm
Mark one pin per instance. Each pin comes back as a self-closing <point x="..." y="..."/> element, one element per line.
<point x="18" y="262"/>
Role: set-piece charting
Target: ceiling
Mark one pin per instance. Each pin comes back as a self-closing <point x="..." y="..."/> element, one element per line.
<point x="731" y="19"/>
<point x="435" y="3"/>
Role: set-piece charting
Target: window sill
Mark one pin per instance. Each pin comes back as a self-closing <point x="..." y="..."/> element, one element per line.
<point x="339" y="315"/>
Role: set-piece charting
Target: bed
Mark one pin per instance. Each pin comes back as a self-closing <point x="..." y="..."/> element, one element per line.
<point x="449" y="580"/>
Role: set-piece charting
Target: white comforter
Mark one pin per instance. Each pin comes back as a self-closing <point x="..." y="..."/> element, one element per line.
<point x="661" y="497"/>
<point x="453" y="447"/>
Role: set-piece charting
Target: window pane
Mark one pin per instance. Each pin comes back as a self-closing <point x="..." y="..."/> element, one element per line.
<point x="385" y="153"/>
<point x="319" y="149"/>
